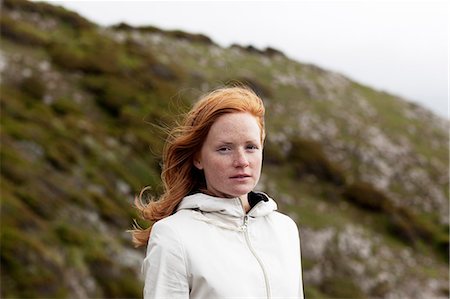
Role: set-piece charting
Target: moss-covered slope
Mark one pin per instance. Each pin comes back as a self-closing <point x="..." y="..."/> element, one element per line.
<point x="364" y="173"/>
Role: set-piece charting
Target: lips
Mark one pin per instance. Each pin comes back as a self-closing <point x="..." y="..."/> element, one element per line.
<point x="240" y="176"/>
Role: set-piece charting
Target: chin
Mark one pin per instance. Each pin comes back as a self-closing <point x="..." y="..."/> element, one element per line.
<point x="241" y="191"/>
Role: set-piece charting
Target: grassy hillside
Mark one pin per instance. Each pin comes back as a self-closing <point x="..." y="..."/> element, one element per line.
<point x="364" y="173"/>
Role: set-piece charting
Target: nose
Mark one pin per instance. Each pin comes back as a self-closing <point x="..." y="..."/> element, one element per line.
<point x="240" y="160"/>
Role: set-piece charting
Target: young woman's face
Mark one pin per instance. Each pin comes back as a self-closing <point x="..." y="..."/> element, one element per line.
<point x="231" y="155"/>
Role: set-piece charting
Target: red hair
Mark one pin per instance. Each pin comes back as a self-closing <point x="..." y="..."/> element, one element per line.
<point x="179" y="176"/>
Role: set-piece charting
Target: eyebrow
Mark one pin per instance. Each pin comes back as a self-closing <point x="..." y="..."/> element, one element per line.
<point x="231" y="143"/>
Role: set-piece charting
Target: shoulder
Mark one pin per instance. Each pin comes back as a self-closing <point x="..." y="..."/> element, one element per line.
<point x="179" y="232"/>
<point x="172" y="223"/>
<point x="167" y="233"/>
<point x="174" y="226"/>
<point x="286" y="229"/>
<point x="284" y="221"/>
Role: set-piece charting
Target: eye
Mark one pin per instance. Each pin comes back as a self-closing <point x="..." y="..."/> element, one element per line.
<point x="223" y="149"/>
<point x="252" y="147"/>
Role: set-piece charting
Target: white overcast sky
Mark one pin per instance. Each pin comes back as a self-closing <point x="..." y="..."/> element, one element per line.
<point x="401" y="47"/>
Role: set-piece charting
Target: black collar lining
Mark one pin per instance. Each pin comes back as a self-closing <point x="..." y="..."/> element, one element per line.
<point x="255" y="197"/>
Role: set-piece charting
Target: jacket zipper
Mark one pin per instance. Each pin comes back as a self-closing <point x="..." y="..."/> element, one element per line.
<point x="247" y="239"/>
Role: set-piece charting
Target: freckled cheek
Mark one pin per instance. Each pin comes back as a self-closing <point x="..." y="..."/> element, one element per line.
<point x="219" y="162"/>
<point x="256" y="161"/>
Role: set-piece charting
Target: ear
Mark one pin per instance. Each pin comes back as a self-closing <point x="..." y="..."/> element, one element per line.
<point x="198" y="163"/>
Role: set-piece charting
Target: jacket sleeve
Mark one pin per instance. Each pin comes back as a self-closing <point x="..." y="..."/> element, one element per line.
<point x="164" y="266"/>
<point x="300" y="289"/>
<point x="295" y="237"/>
<point x="298" y="241"/>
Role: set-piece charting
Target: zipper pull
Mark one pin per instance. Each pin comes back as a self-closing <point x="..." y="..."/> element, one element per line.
<point x="244" y="226"/>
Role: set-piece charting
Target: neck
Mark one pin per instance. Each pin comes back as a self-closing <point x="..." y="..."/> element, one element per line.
<point x="245" y="203"/>
<point x="243" y="198"/>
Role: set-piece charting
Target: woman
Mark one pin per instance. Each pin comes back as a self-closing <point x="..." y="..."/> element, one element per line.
<point x="213" y="236"/>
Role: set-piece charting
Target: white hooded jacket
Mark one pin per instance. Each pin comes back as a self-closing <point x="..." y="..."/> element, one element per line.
<point x="210" y="248"/>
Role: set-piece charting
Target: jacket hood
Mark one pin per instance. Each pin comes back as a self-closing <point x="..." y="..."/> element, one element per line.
<point x="228" y="206"/>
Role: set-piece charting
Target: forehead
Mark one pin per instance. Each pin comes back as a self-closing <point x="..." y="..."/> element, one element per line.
<point x="236" y="125"/>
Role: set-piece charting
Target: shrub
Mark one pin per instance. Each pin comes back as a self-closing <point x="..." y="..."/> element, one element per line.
<point x="109" y="210"/>
<point x="67" y="56"/>
<point x="34" y="87"/>
<point x="249" y="49"/>
<point x="307" y="157"/>
<point x="22" y="33"/>
<point x="341" y="287"/>
<point x="400" y="228"/>
<point x="411" y="227"/>
<point x="380" y="290"/>
<point x="62" y="154"/>
<point x="144" y="69"/>
<point x="11" y="207"/>
<point x="260" y="89"/>
<point x="269" y="51"/>
<point x="111" y="92"/>
<point x="91" y="53"/>
<point x="196" y="38"/>
<point x="139" y="52"/>
<point x="150" y="29"/>
<point x="29" y="268"/>
<point x="311" y="292"/>
<point x="64" y="106"/>
<point x="178" y="34"/>
<point x="442" y="245"/>
<point x="70" y="234"/>
<point x="402" y="222"/>
<point x="367" y="197"/>
<point x="423" y="228"/>
<point x="115" y="282"/>
<point x="39" y="199"/>
<point x="122" y="26"/>
<point x="13" y="166"/>
<point x="163" y="72"/>
<point x="66" y="16"/>
<point x="273" y="153"/>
